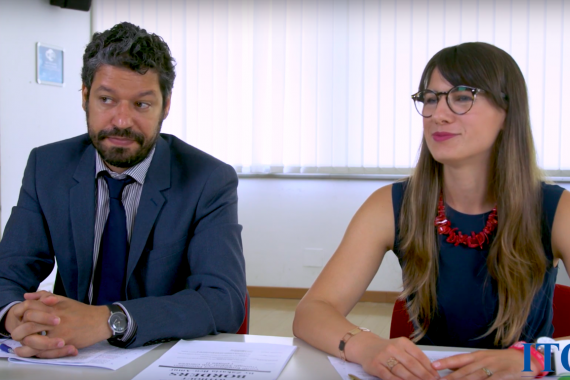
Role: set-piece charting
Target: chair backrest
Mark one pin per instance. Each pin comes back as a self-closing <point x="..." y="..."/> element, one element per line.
<point x="244" y="328"/>
<point x="400" y="325"/>
<point x="561" y="311"/>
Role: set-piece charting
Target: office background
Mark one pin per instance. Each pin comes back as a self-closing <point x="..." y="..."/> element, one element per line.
<point x="309" y="100"/>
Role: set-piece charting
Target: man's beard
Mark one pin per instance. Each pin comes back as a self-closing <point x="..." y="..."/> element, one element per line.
<point x="118" y="156"/>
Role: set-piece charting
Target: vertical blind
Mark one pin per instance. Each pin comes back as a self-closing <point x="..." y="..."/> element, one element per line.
<point x="324" y="85"/>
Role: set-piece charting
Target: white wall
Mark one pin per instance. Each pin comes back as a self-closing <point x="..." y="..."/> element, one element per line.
<point x="31" y="114"/>
<point x="283" y="217"/>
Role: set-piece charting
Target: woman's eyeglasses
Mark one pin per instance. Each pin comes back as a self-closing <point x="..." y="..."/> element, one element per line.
<point x="460" y="99"/>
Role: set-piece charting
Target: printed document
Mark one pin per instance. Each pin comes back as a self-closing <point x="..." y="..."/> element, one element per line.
<point x="345" y="368"/>
<point x="198" y="359"/>
<point x="101" y="355"/>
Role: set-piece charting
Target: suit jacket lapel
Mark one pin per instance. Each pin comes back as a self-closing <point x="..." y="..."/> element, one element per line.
<point x="151" y="202"/>
<point x="82" y="210"/>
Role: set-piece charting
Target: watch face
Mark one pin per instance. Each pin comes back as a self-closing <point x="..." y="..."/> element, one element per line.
<point x="118" y="323"/>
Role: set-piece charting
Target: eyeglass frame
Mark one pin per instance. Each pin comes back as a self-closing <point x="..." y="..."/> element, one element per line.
<point x="474" y="91"/>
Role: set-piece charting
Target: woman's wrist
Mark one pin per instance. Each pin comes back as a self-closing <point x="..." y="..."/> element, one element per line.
<point x="350" y="334"/>
<point x="359" y="345"/>
<point x="536" y="358"/>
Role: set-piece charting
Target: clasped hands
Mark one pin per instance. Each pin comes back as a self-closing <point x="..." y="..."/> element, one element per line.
<point x="68" y="325"/>
<point x="400" y="358"/>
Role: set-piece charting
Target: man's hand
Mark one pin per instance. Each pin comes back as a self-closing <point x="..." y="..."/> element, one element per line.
<point x="78" y="325"/>
<point x="29" y="321"/>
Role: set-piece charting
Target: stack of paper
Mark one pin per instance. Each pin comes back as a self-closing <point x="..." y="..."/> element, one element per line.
<point x="206" y="359"/>
<point x="101" y="355"/>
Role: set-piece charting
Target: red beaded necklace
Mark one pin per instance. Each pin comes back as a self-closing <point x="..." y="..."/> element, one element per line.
<point x="472" y="241"/>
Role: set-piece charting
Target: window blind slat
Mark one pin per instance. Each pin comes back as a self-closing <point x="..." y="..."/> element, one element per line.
<point x="189" y="64"/>
<point x="565" y="84"/>
<point x="403" y="103"/>
<point x="502" y="27"/>
<point x="552" y="89"/>
<point x="292" y="99"/>
<point x="452" y="23"/>
<point x="536" y="72"/>
<point x="520" y="34"/>
<point x="468" y="22"/>
<point x="177" y="120"/>
<point x="324" y="85"/>
<point x="419" y="56"/>
<point x="122" y="11"/>
<point x="135" y="13"/>
<point x="486" y="17"/>
<point x="309" y="49"/>
<point x="262" y="96"/>
<point x="387" y="85"/>
<point x="340" y="85"/>
<point x="371" y="91"/>
<point x="355" y="79"/>
<point x="220" y="80"/>
<point x="149" y="16"/>
<point x="203" y="132"/>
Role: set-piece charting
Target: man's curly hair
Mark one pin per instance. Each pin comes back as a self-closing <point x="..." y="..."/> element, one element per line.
<point x="127" y="45"/>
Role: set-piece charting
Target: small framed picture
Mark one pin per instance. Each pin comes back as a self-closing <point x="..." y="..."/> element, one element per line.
<point x="49" y="62"/>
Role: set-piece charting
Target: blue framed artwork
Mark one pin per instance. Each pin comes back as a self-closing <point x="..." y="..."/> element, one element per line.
<point x="49" y="62"/>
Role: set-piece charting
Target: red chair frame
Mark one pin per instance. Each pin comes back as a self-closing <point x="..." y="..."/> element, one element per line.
<point x="401" y="325"/>
<point x="561" y="311"/>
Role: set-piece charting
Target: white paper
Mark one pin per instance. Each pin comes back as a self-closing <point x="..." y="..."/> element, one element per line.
<point x="345" y="368"/>
<point x="101" y="355"/>
<point x="205" y="359"/>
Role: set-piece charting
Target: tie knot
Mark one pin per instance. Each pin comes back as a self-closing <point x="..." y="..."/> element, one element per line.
<point x="116" y="186"/>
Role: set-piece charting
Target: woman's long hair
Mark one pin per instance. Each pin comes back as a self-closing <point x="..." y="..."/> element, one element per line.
<point x="516" y="258"/>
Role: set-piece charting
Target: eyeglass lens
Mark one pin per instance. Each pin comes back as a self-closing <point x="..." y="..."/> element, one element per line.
<point x="460" y="100"/>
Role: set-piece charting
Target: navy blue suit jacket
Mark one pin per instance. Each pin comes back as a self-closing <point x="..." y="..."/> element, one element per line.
<point x="185" y="270"/>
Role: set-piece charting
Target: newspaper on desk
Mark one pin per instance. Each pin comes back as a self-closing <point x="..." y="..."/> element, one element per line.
<point x="101" y="355"/>
<point x="199" y="359"/>
<point x="345" y="369"/>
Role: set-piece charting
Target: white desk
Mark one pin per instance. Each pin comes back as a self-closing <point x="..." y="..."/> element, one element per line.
<point x="306" y="363"/>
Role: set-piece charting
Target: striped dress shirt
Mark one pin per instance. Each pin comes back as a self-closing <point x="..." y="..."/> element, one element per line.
<point x="130" y="197"/>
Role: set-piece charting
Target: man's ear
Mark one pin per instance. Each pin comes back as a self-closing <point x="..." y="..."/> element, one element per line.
<point x="84" y="96"/>
<point x="166" y="108"/>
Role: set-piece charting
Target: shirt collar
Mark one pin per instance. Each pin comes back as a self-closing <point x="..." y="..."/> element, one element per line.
<point x="137" y="172"/>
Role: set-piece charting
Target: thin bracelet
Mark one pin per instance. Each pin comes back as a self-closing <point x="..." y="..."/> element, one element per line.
<point x="347" y="337"/>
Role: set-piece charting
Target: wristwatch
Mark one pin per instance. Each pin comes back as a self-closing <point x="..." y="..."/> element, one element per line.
<point x="118" y="322"/>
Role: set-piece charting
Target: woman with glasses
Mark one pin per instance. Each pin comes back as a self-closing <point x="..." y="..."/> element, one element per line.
<point x="477" y="232"/>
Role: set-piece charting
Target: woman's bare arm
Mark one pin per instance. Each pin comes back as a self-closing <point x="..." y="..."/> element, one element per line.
<point x="320" y="318"/>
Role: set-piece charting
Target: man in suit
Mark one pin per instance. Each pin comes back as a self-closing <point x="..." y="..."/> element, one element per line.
<point x="143" y="226"/>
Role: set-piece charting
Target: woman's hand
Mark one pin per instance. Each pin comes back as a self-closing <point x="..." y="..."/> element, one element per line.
<point x="393" y="359"/>
<point x="487" y="365"/>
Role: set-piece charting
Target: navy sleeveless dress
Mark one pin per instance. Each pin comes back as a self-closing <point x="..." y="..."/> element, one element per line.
<point x="466" y="294"/>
